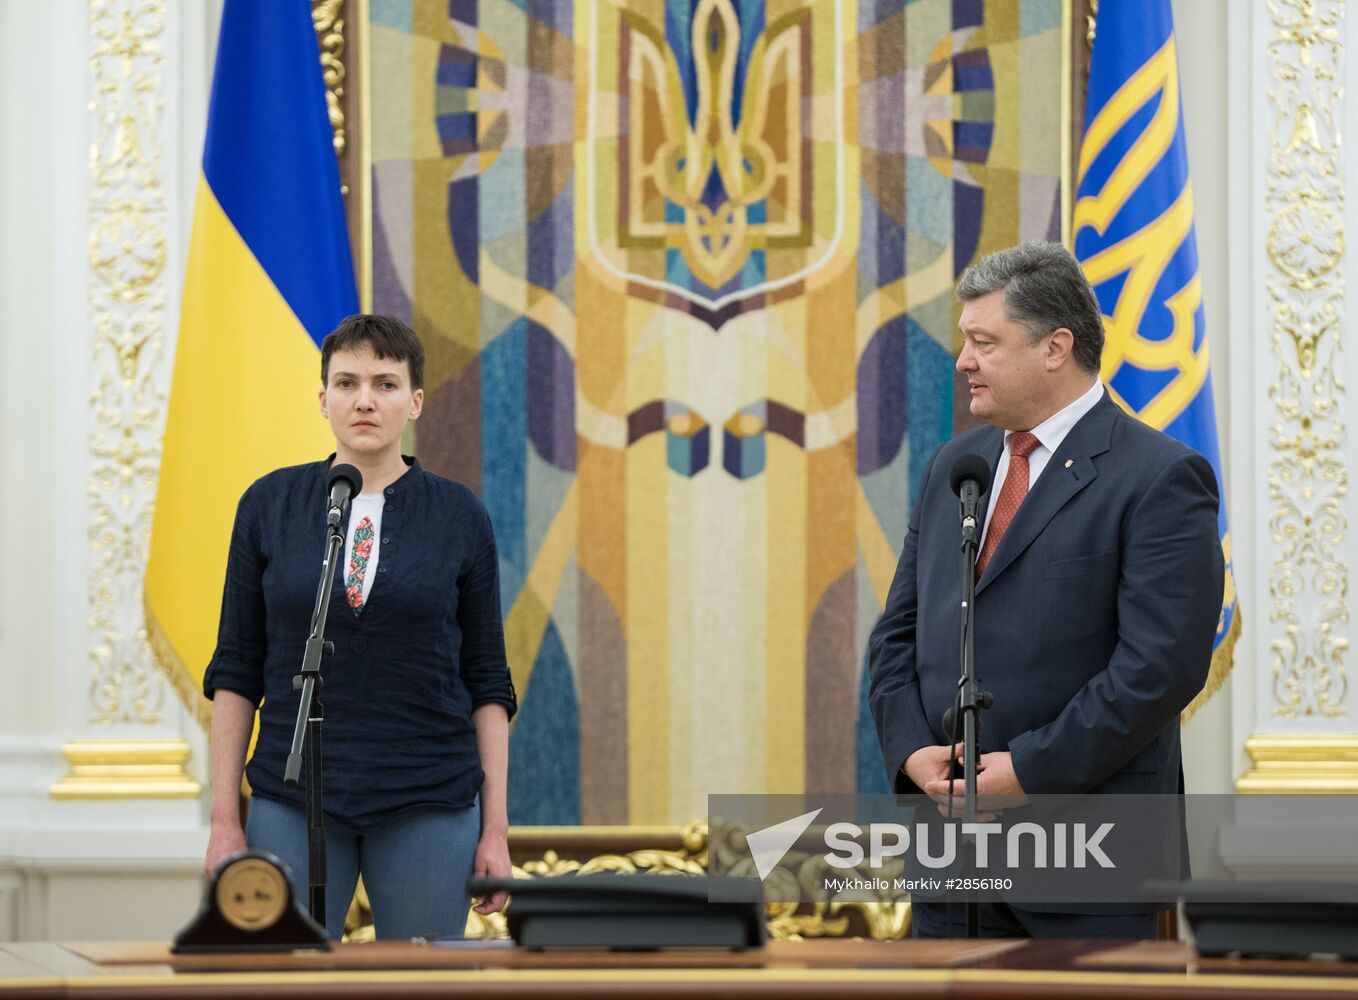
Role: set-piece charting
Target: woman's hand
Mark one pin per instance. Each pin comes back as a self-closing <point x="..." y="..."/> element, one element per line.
<point x="232" y="719"/>
<point x="225" y="840"/>
<point x="492" y="861"/>
<point x="492" y="852"/>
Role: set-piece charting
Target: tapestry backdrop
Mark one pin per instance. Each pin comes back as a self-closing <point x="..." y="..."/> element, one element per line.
<point x="684" y="272"/>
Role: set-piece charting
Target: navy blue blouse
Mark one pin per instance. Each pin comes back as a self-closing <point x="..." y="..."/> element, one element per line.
<point x="407" y="671"/>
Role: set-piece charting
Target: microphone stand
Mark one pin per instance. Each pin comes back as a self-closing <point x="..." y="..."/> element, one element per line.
<point x="309" y="719"/>
<point x="970" y="703"/>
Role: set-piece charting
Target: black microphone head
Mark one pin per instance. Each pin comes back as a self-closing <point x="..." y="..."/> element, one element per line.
<point x="970" y="466"/>
<point x="951" y="731"/>
<point x="347" y="473"/>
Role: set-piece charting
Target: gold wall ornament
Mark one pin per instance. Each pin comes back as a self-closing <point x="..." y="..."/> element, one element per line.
<point x="804" y="874"/>
<point x="626" y="849"/>
<point x="752" y="141"/>
<point x="342" y="32"/>
<point x="665" y="851"/>
<point x="1307" y="474"/>
<point x="328" y="18"/>
<point x="126" y="769"/>
<point x="128" y="222"/>
<point x="1301" y="764"/>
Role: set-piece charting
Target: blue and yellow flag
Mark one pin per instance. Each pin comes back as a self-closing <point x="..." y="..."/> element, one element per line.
<point x="1133" y="232"/>
<point x="269" y="275"/>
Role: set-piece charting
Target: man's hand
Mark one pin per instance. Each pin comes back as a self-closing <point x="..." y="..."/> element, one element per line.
<point x="492" y="861"/>
<point x="997" y="786"/>
<point x="931" y="764"/>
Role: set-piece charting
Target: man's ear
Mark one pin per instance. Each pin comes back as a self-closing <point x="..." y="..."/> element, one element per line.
<point x="1059" y="345"/>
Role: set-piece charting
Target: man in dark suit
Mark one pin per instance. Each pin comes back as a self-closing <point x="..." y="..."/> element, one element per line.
<point x="1099" y="581"/>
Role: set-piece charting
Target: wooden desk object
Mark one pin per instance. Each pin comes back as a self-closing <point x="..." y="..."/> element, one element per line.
<point x="838" y="969"/>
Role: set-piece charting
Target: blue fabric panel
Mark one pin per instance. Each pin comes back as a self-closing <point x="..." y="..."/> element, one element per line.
<point x="928" y="396"/>
<point x="544" y="745"/>
<point x="871" y="771"/>
<point x="270" y="158"/>
<point x="504" y="443"/>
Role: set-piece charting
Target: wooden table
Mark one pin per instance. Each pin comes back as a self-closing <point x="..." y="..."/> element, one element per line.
<point x="835" y="969"/>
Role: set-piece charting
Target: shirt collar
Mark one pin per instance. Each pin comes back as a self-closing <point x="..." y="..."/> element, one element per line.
<point x="412" y="467"/>
<point x="1052" y="431"/>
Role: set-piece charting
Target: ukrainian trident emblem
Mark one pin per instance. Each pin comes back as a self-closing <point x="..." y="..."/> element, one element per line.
<point x="707" y="178"/>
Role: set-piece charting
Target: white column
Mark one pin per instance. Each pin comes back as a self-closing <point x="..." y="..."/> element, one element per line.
<point x="102" y="120"/>
<point x="1296" y="449"/>
<point x="1200" y="26"/>
<point x="1295" y="724"/>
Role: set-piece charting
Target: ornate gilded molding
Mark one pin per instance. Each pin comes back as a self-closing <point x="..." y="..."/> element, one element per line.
<point x="328" y="18"/>
<point x="126" y="769"/>
<point x="686" y="852"/>
<point x="1307" y="474"/>
<point x="342" y="31"/>
<point x="1301" y="765"/>
<point x="878" y="914"/>
<point x="127" y="256"/>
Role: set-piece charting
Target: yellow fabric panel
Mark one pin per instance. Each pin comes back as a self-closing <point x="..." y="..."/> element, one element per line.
<point x="242" y="403"/>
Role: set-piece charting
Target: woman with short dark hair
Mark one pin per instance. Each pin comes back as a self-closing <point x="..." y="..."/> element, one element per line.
<point x="417" y="692"/>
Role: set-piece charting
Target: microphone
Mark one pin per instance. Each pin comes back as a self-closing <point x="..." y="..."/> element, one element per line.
<point x="952" y="731"/>
<point x="970" y="477"/>
<point x="343" y="482"/>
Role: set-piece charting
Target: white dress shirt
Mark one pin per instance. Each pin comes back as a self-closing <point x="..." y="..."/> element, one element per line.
<point x="1050" y="433"/>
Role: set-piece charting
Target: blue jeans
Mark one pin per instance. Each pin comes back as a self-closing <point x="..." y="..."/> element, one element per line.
<point x="415" y="865"/>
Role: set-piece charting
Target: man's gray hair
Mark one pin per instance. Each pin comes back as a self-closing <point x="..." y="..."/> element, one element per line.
<point x="1044" y="289"/>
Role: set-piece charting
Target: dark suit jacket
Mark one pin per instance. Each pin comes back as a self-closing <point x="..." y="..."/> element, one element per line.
<point x="1094" y="620"/>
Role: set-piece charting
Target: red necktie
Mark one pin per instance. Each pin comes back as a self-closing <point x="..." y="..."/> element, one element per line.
<point x="1021" y="445"/>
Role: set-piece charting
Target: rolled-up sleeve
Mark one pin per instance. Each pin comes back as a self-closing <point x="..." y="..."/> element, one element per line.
<point x="237" y="664"/>
<point x="483" y="667"/>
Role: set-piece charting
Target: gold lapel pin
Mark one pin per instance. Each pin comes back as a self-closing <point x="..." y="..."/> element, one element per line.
<point x="1069" y="462"/>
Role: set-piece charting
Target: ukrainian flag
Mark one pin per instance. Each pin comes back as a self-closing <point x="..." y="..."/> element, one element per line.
<point x="1132" y="230"/>
<point x="269" y="275"/>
